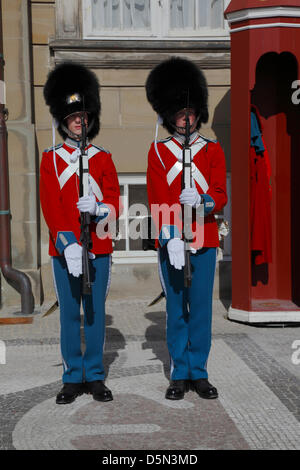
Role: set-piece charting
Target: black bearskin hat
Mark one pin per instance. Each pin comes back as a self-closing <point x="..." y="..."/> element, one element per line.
<point x="175" y="84"/>
<point x="71" y="87"/>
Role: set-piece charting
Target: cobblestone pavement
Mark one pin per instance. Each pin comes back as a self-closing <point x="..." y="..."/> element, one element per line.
<point x="255" y="369"/>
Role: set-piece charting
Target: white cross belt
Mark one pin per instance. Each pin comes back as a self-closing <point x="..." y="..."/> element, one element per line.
<point x="73" y="168"/>
<point x="177" y="167"/>
<point x="196" y="174"/>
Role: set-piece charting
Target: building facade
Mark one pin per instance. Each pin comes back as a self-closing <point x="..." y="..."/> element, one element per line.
<point x="121" y="40"/>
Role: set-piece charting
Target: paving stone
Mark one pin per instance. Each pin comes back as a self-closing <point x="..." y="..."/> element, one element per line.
<point x="258" y="384"/>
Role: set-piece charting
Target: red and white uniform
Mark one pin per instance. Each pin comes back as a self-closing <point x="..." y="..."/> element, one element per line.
<point x="164" y="178"/>
<point x="59" y="193"/>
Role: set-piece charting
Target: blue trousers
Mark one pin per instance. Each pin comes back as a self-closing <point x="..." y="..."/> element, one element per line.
<point x="189" y="313"/>
<point x="78" y="367"/>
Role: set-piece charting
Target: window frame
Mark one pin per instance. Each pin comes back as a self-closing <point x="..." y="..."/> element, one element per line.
<point x="204" y="33"/>
<point x="125" y="34"/>
<point x="159" y="31"/>
<point x="131" y="256"/>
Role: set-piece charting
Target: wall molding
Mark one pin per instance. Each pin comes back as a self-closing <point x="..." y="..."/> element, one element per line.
<point x="267" y="12"/>
<point x="139" y="54"/>
<point x="265" y="25"/>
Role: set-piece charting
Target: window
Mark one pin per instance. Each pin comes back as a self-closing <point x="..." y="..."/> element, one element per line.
<point x="156" y="19"/>
<point x="128" y="244"/>
<point x="196" y="16"/>
<point x="120" y="16"/>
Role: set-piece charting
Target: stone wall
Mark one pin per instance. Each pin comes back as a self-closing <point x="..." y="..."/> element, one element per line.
<point x="22" y="154"/>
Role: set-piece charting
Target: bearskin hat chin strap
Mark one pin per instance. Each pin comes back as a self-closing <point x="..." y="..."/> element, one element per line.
<point x="70" y="134"/>
<point x="54" y="126"/>
<point x="158" y="123"/>
<point x="76" y="136"/>
<point x="181" y="130"/>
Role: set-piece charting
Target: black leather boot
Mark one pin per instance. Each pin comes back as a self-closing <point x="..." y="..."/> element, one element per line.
<point x="99" y="391"/>
<point x="69" y="393"/>
<point x="204" y="388"/>
<point x="177" y="389"/>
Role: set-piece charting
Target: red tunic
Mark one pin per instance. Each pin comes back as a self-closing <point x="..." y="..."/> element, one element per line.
<point x="59" y="203"/>
<point x="164" y="187"/>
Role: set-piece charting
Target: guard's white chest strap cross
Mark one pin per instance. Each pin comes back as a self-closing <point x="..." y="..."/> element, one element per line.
<point x="177" y="167"/>
<point x="73" y="167"/>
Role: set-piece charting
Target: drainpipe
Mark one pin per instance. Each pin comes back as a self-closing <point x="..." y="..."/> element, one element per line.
<point x="17" y="279"/>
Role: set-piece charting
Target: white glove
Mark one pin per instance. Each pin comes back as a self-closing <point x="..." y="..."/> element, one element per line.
<point x="190" y="196"/>
<point x="88" y="204"/>
<point x="175" y="248"/>
<point x="73" y="255"/>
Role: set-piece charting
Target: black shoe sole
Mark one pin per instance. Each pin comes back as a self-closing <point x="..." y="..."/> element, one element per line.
<point x="65" y="402"/>
<point x="174" y="398"/>
<point x="103" y="400"/>
<point x="206" y="397"/>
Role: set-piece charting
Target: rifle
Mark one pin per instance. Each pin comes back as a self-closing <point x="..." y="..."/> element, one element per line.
<point x="85" y="237"/>
<point x="187" y="210"/>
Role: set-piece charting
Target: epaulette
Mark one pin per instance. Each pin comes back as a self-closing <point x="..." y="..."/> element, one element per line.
<point x="208" y="140"/>
<point x="56" y="147"/>
<point x="163" y="141"/>
<point x="101" y="149"/>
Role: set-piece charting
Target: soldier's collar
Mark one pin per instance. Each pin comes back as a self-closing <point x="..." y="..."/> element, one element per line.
<point x="181" y="138"/>
<point x="74" y="143"/>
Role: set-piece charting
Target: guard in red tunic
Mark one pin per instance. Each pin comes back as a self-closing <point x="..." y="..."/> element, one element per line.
<point x="177" y="91"/>
<point x="72" y="93"/>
